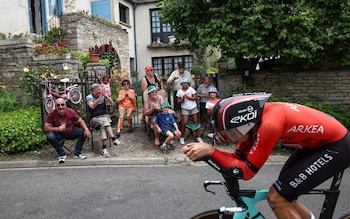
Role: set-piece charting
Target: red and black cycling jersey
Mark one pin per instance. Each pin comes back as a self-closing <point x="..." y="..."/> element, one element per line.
<point x="293" y="125"/>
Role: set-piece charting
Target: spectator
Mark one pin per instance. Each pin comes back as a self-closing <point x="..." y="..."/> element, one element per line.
<point x="214" y="99"/>
<point x="187" y="97"/>
<point x="59" y="125"/>
<point x="151" y="107"/>
<point x="174" y="79"/>
<point x="203" y="94"/>
<point x="165" y="123"/>
<point x="209" y="106"/>
<point x="151" y="78"/>
<point x="105" y="82"/>
<point x="99" y="116"/>
<point x="126" y="105"/>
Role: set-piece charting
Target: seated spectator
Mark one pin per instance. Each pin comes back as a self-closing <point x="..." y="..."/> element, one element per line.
<point x="126" y="105"/>
<point x="214" y="99"/>
<point x="59" y="125"/>
<point x="96" y="102"/>
<point x="187" y="97"/>
<point x="165" y="123"/>
<point x="151" y="107"/>
<point x="203" y="95"/>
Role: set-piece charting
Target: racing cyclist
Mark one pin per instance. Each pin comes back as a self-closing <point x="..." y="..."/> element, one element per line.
<point x="322" y="143"/>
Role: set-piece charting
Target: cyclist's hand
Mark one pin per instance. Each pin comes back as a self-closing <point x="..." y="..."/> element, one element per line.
<point x="195" y="151"/>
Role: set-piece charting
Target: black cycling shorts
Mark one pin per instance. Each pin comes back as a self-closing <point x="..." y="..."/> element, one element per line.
<point x="306" y="169"/>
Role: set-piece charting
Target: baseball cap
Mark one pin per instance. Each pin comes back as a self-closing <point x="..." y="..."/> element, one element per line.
<point x="151" y="88"/>
<point x="180" y="64"/>
<point x="184" y="80"/>
<point x="213" y="90"/>
<point x="165" y="105"/>
<point x="149" y="67"/>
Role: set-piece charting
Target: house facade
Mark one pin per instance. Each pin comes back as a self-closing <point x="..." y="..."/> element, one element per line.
<point x="149" y="39"/>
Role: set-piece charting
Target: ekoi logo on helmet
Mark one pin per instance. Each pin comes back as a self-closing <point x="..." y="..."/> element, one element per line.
<point x="249" y="114"/>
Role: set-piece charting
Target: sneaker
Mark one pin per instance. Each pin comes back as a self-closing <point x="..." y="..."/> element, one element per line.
<point x="117" y="142"/>
<point x="199" y="139"/>
<point x="62" y="159"/>
<point x="117" y="135"/>
<point x="164" y="148"/>
<point x="172" y="146"/>
<point x="80" y="156"/>
<point x="211" y="135"/>
<point x="182" y="140"/>
<point x="105" y="153"/>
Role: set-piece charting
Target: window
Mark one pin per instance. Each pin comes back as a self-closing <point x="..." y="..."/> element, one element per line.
<point x="124" y="14"/>
<point x="160" y="31"/>
<point x="165" y="65"/>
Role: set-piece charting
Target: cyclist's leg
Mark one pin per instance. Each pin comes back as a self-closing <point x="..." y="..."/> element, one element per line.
<point x="306" y="169"/>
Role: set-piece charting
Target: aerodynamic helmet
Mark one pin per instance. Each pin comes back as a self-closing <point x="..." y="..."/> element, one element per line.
<point x="235" y="116"/>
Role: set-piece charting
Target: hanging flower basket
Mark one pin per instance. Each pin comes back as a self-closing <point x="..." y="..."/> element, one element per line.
<point x="94" y="57"/>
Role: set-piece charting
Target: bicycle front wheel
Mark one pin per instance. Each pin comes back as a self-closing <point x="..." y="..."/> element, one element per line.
<point x="49" y="104"/>
<point x="346" y="216"/>
<point x="75" y="95"/>
<point x="213" y="214"/>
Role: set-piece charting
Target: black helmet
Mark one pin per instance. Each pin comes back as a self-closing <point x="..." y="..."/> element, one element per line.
<point x="235" y="116"/>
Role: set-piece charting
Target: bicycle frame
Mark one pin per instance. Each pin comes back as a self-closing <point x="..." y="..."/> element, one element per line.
<point x="57" y="92"/>
<point x="246" y="200"/>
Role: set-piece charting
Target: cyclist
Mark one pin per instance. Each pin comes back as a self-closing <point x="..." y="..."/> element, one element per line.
<point x="322" y="143"/>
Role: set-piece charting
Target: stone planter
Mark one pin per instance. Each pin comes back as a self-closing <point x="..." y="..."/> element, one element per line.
<point x="51" y="56"/>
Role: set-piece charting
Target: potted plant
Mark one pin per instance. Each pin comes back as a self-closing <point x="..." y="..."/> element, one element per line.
<point x="94" y="53"/>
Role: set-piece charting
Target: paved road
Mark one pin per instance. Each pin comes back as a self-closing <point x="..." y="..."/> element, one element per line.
<point x="123" y="192"/>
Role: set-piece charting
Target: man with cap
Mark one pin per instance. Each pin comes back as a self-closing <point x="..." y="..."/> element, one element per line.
<point x="174" y="80"/>
<point x="165" y="123"/>
<point x="96" y="103"/>
<point x="151" y="107"/>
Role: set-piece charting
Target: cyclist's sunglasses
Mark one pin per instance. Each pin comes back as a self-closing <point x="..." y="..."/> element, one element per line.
<point x="230" y="135"/>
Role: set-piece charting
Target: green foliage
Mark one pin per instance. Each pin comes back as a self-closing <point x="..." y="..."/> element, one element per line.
<point x="299" y="32"/>
<point x="8" y="100"/>
<point x="3" y="36"/>
<point x="83" y="58"/>
<point x="198" y="69"/>
<point x="54" y="35"/>
<point x="22" y="131"/>
<point x="30" y="84"/>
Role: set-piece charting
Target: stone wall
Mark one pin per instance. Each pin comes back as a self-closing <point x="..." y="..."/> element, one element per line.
<point x="315" y="86"/>
<point x="85" y="32"/>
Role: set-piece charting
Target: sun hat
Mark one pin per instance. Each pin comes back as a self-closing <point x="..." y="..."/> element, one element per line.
<point x="184" y="80"/>
<point x="151" y="88"/>
<point x="165" y="105"/>
<point x="213" y="90"/>
<point x="148" y="68"/>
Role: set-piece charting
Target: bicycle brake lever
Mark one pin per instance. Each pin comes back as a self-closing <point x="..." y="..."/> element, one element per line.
<point x="207" y="183"/>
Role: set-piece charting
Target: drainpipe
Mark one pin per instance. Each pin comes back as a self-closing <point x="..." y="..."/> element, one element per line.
<point x="134" y="18"/>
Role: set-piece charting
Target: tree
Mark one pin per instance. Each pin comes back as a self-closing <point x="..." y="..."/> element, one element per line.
<point x="299" y="32"/>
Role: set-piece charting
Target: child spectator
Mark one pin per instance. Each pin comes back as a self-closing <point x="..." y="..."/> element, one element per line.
<point x="187" y="97"/>
<point x="105" y="82"/>
<point x="165" y="123"/>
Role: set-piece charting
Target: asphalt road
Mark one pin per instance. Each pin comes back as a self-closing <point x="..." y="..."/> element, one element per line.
<point x="127" y="192"/>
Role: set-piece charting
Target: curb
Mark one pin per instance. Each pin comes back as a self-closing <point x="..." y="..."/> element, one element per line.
<point x="113" y="162"/>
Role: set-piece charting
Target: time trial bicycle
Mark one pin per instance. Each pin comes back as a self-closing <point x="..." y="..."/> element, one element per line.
<point x="71" y="93"/>
<point x="245" y="200"/>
